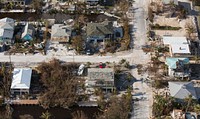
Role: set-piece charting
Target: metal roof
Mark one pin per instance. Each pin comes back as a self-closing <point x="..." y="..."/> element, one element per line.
<point x="182" y="90"/>
<point x="171" y="61"/>
<point x="177" y="44"/>
<point x="21" y="78"/>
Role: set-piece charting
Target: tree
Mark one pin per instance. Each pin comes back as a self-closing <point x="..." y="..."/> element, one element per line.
<point x="77" y="43"/>
<point x="6" y="72"/>
<point x="46" y="115"/>
<point x="59" y="82"/>
<point x="197" y="108"/>
<point x="190" y="29"/>
<point x="189" y="101"/>
<point x="37" y="5"/>
<point x="118" y="108"/>
<point x="79" y="115"/>
<point x="162" y="105"/>
<point x="125" y="42"/>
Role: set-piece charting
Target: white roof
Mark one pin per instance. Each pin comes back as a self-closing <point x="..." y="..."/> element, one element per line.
<point x="178" y="44"/>
<point x="21" y="78"/>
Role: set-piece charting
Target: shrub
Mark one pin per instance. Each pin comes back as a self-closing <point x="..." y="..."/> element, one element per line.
<point x="158" y="27"/>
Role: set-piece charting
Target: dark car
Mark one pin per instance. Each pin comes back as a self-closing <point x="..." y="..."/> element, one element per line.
<point x="89" y="52"/>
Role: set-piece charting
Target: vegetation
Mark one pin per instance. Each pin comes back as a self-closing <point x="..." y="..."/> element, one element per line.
<point x="123" y="6"/>
<point x="150" y="14"/>
<point x="37" y="5"/>
<point x="158" y="27"/>
<point x="118" y="108"/>
<point x="77" y="43"/>
<point x="5" y="74"/>
<point x="59" y="82"/>
<point x="126" y="40"/>
<point x="162" y="105"/>
<point x="190" y="29"/>
<point x="160" y="84"/>
<point x="79" y="115"/>
<point x="46" y="115"/>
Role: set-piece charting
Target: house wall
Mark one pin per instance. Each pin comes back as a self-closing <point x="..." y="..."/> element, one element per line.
<point x="6" y="33"/>
<point x="120" y="30"/>
<point x="20" y="91"/>
<point x="95" y="38"/>
<point x="170" y="72"/>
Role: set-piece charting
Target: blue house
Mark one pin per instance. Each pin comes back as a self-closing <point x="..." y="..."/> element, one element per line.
<point x="28" y="33"/>
<point x="178" y="67"/>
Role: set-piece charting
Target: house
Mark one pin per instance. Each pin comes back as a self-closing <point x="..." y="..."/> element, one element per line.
<point x="17" y="2"/>
<point x="100" y="77"/>
<point x="60" y="33"/>
<point x="178" y="67"/>
<point x="28" y="33"/>
<point x="182" y="90"/>
<point x="92" y="2"/>
<point x="21" y="80"/>
<point x="6" y="30"/>
<point x="99" y="32"/>
<point x="178" y="46"/>
<point x="170" y="1"/>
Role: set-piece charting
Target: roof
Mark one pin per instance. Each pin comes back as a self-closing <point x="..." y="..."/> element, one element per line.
<point x="60" y="31"/>
<point x="28" y="30"/>
<point x="21" y="78"/>
<point x="6" y="28"/>
<point x="182" y="90"/>
<point x="101" y="73"/>
<point x="169" y="1"/>
<point x="4" y="25"/>
<point x="178" y="44"/>
<point x="99" y="29"/>
<point x="171" y="62"/>
<point x="9" y="21"/>
<point x="6" y="19"/>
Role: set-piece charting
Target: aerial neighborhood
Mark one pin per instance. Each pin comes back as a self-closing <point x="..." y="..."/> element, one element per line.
<point x="99" y="59"/>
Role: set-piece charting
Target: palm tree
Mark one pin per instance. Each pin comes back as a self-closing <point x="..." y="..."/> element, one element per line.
<point x="190" y="29"/>
<point x="79" y="115"/>
<point x="46" y="115"/>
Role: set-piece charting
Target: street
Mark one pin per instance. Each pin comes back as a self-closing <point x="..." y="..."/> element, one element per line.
<point x="141" y="108"/>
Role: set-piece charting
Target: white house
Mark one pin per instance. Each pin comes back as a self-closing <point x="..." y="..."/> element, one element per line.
<point x="21" y="80"/>
<point x="177" y="45"/>
<point x="6" y="30"/>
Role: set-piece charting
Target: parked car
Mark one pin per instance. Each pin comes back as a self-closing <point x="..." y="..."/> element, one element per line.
<point x="89" y="52"/>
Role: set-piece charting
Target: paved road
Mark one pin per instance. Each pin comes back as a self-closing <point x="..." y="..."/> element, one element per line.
<point x="76" y="58"/>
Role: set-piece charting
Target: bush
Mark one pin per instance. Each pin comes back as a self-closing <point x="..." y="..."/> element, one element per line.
<point x="160" y="84"/>
<point x="158" y="27"/>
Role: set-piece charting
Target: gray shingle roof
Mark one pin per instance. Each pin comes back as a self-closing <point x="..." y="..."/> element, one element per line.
<point x="60" y="31"/>
<point x="182" y="90"/>
<point x="101" y="74"/>
<point x="99" y="29"/>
